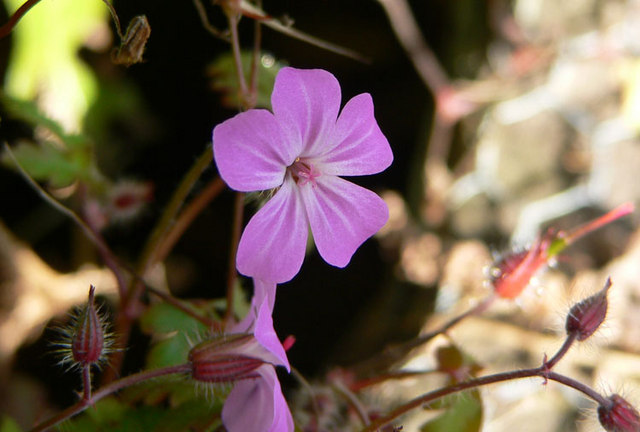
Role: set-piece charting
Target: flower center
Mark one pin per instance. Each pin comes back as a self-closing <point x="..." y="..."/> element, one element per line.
<point x="304" y="172"/>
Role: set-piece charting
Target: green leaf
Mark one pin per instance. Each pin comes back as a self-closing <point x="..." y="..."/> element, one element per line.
<point x="9" y="425"/>
<point x="104" y="415"/>
<point x="192" y="415"/>
<point x="47" y="163"/>
<point x="169" y="352"/>
<point x="44" y="61"/>
<point x="225" y="78"/>
<point x="464" y="415"/>
<point x="28" y="112"/>
<point x="162" y="318"/>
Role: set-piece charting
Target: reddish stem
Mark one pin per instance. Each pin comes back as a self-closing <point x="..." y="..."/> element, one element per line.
<point x="616" y="213"/>
<point x="83" y="404"/>
<point x="8" y="27"/>
<point x="543" y="371"/>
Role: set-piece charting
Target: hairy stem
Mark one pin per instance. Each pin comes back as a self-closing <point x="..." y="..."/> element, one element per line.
<point x="113" y="387"/>
<point x="543" y="371"/>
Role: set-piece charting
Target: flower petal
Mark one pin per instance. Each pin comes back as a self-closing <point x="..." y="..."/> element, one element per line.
<point x="257" y="405"/>
<point x="342" y="216"/>
<point x="273" y="244"/>
<point x="357" y="146"/>
<point x="306" y="103"/>
<point x="250" y="151"/>
<point x="262" y="290"/>
<point x="267" y="337"/>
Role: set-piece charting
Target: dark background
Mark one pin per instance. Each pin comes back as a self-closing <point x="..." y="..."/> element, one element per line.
<point x="178" y="114"/>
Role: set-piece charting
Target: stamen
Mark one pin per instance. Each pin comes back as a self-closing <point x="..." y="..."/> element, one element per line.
<point x="304" y="172"/>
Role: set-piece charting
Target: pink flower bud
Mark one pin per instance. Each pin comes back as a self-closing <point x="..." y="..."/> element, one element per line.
<point x="618" y="415"/>
<point x="585" y="317"/>
<point x="87" y="340"/>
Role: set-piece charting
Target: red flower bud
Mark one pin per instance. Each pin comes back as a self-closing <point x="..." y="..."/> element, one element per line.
<point x="225" y="359"/>
<point x="513" y="273"/>
<point x="87" y="340"/>
<point x="585" y="317"/>
<point x="618" y="415"/>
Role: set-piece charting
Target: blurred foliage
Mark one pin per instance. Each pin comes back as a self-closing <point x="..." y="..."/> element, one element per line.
<point x="113" y="415"/>
<point x="225" y="79"/>
<point x="45" y="62"/>
<point x="9" y="425"/>
<point x="175" y="329"/>
<point x="464" y="414"/>
<point x="60" y="158"/>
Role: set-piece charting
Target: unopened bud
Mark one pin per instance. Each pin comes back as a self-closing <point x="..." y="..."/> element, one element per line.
<point x="586" y="316"/>
<point x="513" y="272"/>
<point x="618" y="415"/>
<point x="224" y="359"/>
<point x="87" y="340"/>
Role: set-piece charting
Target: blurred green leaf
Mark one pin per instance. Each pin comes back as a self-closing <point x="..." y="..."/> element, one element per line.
<point x="44" y="61"/>
<point x="104" y="415"/>
<point x="464" y="415"/>
<point x="9" y="425"/>
<point x="28" y="112"/>
<point x="169" y="352"/>
<point x="112" y="415"/>
<point x="47" y="163"/>
<point x="457" y="364"/>
<point x="225" y="80"/>
<point x="177" y="327"/>
<point x="60" y="159"/>
<point x="162" y="318"/>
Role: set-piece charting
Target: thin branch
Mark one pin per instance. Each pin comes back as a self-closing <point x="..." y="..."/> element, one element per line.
<point x="88" y="230"/>
<point x="237" y="57"/>
<point x="408" y="33"/>
<point x="171" y="210"/>
<point x="109" y="389"/>
<point x="427" y="398"/>
<point x="395" y="353"/>
<point x="17" y="15"/>
<point x="186" y="217"/>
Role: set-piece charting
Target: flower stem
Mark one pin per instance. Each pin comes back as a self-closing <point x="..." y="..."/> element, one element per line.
<point x="186" y="217"/>
<point x="86" y="381"/>
<point x="109" y="389"/>
<point x="542" y="371"/>
<point x="616" y="213"/>
<point x="235" y="239"/>
<point x="234" y="17"/>
<point x="393" y="354"/>
<point x="163" y="226"/>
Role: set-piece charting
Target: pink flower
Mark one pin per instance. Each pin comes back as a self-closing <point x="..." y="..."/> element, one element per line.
<point x="256" y="403"/>
<point x="300" y="150"/>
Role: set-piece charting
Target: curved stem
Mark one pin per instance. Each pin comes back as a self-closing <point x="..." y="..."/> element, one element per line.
<point x="19" y="13"/>
<point x="568" y="342"/>
<point x="542" y="371"/>
<point x="394" y="353"/>
<point x="109" y="389"/>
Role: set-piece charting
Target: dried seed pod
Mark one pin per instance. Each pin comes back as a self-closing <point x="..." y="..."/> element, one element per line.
<point x="133" y="43"/>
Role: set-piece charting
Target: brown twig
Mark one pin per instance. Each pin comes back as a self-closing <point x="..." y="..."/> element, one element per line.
<point x="17" y="15"/>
